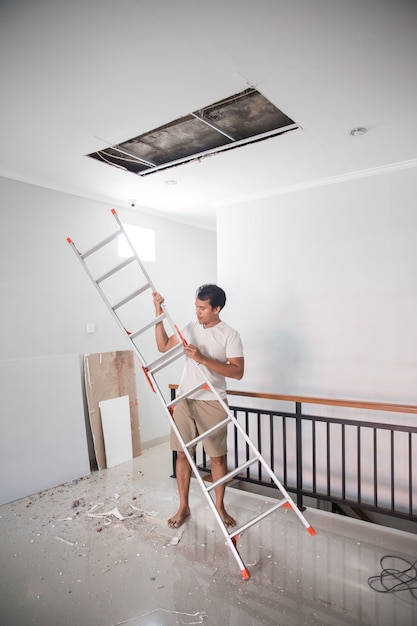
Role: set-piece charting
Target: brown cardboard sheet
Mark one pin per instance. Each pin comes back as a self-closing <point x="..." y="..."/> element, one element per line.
<point x="110" y="375"/>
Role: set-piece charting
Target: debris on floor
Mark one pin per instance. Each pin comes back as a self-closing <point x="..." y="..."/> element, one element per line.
<point x="175" y="540"/>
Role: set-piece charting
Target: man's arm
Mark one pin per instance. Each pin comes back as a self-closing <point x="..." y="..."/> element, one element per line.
<point x="163" y="342"/>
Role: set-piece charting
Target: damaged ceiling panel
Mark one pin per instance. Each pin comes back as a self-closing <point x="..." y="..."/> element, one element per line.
<point x="239" y="120"/>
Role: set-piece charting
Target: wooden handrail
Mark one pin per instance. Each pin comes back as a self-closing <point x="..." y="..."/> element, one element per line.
<point x="354" y="404"/>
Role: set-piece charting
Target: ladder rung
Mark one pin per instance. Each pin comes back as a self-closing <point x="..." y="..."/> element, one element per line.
<point x="187" y="394"/>
<point x="258" y="518"/>
<point x="148" y="326"/>
<point x="130" y="297"/>
<point x="211" y="430"/>
<point x="101" y="244"/>
<point x="116" y="269"/>
<point x="234" y="472"/>
<point x="168" y="357"/>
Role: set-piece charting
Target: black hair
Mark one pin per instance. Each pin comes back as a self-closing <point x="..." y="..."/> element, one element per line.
<point x="213" y="293"/>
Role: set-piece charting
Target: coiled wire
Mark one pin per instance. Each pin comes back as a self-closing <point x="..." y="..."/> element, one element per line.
<point x="392" y="579"/>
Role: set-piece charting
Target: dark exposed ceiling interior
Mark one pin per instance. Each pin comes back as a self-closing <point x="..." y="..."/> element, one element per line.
<point x="233" y="122"/>
<point x="93" y="77"/>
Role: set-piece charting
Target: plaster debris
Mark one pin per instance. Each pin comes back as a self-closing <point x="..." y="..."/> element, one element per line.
<point x="114" y="512"/>
<point x="175" y="540"/>
<point x="69" y="543"/>
<point x="198" y="614"/>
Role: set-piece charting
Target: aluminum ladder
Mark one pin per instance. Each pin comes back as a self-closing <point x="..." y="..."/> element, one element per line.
<point x="151" y="368"/>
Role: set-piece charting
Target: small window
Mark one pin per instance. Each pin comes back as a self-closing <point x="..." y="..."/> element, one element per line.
<point x="143" y="241"/>
<point x="236" y="121"/>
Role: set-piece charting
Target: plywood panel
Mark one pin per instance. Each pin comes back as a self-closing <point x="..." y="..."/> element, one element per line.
<point x="43" y="439"/>
<point x="115" y="420"/>
<point x="110" y="375"/>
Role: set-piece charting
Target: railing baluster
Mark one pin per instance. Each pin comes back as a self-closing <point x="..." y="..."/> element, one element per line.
<point x="359" y="496"/>
<point x="410" y="474"/>
<point x="299" y="455"/>
<point x="392" y="472"/>
<point x="258" y="422"/>
<point x="328" y="462"/>
<point x="314" y="468"/>
<point x="375" y="466"/>
<point x="284" y="450"/>
<point x="246" y="445"/>
<point x="343" y="462"/>
<point x="271" y="444"/>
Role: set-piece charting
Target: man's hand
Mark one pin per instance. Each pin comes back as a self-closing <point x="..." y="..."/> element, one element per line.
<point x="233" y="368"/>
<point x="193" y="353"/>
<point x="158" y="301"/>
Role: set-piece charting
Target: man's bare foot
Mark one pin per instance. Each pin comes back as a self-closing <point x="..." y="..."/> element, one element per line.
<point x="228" y="520"/>
<point x="176" y="520"/>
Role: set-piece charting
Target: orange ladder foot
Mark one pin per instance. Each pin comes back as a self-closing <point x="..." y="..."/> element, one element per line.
<point x="245" y="574"/>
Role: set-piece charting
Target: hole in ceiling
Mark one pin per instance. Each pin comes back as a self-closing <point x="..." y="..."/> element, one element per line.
<point x="236" y="121"/>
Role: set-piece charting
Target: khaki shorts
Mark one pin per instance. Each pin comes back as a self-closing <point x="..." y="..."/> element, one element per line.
<point x="194" y="417"/>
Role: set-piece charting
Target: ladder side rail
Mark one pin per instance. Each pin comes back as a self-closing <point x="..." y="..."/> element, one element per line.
<point x="286" y="497"/>
<point x="202" y="485"/>
<point x="145" y="273"/>
<point x="252" y="447"/>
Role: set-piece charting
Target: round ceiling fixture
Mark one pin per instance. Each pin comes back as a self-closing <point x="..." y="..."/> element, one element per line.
<point x="170" y="182"/>
<point x="355" y="132"/>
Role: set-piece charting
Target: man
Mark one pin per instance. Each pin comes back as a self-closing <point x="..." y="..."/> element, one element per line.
<point x="217" y="349"/>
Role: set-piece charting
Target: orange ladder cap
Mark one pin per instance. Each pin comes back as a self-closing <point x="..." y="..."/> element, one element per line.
<point x="245" y="574"/>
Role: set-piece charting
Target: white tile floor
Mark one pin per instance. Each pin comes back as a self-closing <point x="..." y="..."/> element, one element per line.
<point x="60" y="566"/>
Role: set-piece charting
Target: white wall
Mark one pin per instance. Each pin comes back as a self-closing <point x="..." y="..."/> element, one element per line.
<point x="47" y="298"/>
<point x="322" y="284"/>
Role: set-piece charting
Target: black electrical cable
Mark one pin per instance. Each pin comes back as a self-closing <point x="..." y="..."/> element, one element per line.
<point x="391" y="579"/>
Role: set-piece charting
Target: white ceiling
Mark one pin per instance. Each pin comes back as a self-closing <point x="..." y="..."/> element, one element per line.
<point x="77" y="76"/>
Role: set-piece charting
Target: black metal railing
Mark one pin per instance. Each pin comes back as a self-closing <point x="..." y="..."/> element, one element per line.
<point x="363" y="464"/>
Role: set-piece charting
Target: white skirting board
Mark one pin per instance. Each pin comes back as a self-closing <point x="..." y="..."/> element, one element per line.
<point x="43" y="439"/>
<point x="115" y="419"/>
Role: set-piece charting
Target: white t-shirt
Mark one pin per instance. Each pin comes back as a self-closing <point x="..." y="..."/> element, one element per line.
<point x="220" y="342"/>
